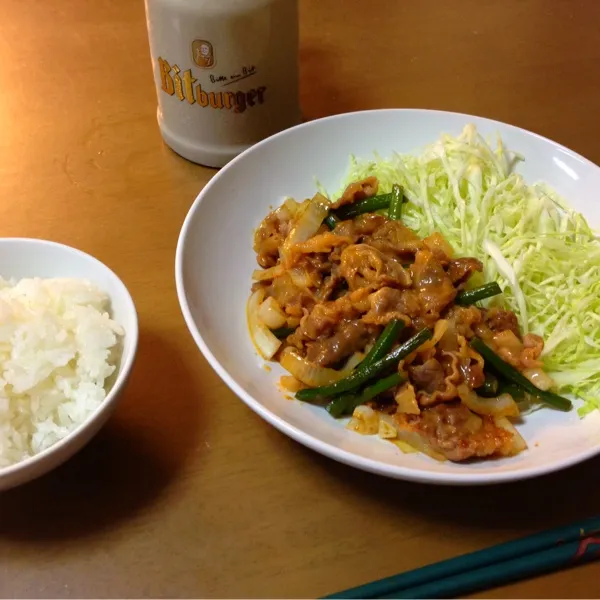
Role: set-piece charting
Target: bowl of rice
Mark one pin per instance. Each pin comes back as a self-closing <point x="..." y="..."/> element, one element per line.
<point x="68" y="339"/>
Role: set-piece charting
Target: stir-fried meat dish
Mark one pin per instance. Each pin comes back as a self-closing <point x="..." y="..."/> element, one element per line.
<point x="375" y="323"/>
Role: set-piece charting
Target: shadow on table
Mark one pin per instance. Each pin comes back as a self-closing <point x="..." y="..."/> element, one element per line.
<point x="127" y="467"/>
<point x="535" y="504"/>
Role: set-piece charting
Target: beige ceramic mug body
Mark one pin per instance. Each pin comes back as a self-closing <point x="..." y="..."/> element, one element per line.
<point x="226" y="73"/>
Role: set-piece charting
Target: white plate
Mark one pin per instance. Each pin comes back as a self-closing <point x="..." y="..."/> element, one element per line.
<point x="215" y="259"/>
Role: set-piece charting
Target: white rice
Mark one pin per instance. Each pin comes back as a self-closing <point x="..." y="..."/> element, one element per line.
<point x="58" y="347"/>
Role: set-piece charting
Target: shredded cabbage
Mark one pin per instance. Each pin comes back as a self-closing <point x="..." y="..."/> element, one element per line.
<point x="542" y="253"/>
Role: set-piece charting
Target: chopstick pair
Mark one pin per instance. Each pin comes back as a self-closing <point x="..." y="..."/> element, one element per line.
<point x="526" y="557"/>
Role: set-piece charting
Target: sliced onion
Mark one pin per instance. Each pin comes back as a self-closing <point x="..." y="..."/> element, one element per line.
<point x="439" y="329"/>
<point x="539" y="378"/>
<point x="518" y="443"/>
<point x="416" y="441"/>
<point x="309" y="373"/>
<point x="291" y="206"/>
<point x="386" y="430"/>
<point x="407" y="400"/>
<point x="262" y="338"/>
<point x="364" y="421"/>
<point x="268" y="274"/>
<point x="353" y="362"/>
<point x="302" y="278"/>
<point x="284" y="213"/>
<point x="509" y="346"/>
<point x="322" y="243"/>
<point x="270" y="313"/>
<point x="502" y="406"/>
<point x="290" y="384"/>
<point x="409" y="440"/>
<point x="307" y="224"/>
<point x="406" y="448"/>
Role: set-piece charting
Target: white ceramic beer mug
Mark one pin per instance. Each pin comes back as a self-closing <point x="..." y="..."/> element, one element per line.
<point x="226" y="73"/>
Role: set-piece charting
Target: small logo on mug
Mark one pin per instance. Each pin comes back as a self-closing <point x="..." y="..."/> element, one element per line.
<point x="203" y="54"/>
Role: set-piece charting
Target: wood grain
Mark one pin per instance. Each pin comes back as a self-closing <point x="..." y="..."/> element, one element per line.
<point x="186" y="493"/>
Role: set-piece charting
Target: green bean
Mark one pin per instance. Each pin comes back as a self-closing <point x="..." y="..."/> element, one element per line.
<point x="383" y="344"/>
<point x="482" y="292"/>
<point x="331" y="221"/>
<point x="489" y="388"/>
<point x="347" y="403"/>
<point x="282" y="332"/>
<point x="339" y="406"/>
<point x="367" y="205"/>
<point x="395" y="211"/>
<point x="511" y="374"/>
<point x="513" y="389"/>
<point x="361" y="376"/>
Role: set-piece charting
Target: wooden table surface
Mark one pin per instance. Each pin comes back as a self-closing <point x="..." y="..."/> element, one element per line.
<point x="187" y="493"/>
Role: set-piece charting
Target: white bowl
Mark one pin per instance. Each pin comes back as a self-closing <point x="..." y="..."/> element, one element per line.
<point x="22" y="257"/>
<point x="215" y="259"/>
